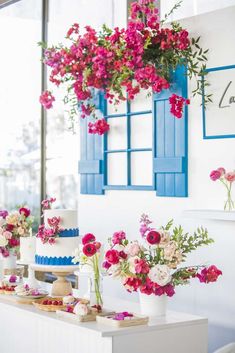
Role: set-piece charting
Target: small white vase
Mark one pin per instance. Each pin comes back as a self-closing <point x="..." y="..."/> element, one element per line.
<point x="153" y="305"/>
<point x="9" y="262"/>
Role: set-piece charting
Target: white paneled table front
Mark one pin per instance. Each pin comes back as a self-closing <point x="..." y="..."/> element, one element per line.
<point x="24" y="329"/>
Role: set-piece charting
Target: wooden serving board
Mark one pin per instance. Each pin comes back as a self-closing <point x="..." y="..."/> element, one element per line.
<point x="134" y="321"/>
<point x="50" y="308"/>
<point x="79" y="318"/>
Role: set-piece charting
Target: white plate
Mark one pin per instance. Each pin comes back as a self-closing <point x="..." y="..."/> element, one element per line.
<point x="42" y="294"/>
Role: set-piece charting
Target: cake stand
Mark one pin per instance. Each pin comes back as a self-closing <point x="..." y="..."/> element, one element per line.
<point x="61" y="286"/>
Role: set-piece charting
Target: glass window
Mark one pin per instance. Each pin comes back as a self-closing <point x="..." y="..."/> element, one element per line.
<point x="20" y="87"/>
<point x="128" y="145"/>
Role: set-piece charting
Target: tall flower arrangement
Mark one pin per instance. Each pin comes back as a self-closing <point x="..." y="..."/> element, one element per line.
<point x="154" y="267"/>
<point x="122" y="61"/>
<point x="89" y="255"/>
<point x="14" y="225"/>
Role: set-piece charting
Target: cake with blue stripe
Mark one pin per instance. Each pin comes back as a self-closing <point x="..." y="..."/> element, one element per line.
<point x="60" y="253"/>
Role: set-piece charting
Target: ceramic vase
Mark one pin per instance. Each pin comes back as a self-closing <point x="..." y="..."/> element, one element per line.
<point x="153" y="305"/>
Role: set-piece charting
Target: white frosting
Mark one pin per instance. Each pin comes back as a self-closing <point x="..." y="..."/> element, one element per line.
<point x="62" y="247"/>
<point x="69" y="299"/>
<point x="69" y="218"/>
<point x="27" y="249"/>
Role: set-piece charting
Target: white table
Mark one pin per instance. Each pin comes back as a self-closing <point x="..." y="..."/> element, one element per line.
<point x="24" y="329"/>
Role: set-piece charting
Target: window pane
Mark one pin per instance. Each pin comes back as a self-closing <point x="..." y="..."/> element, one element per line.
<point x="117" y="136"/>
<point x="141" y="168"/>
<point x="141" y="131"/>
<point x="117" y="109"/>
<point x="143" y="101"/>
<point x="117" y="168"/>
<point x="20" y="86"/>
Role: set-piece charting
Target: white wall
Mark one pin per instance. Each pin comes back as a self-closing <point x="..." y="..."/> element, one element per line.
<point x="190" y="8"/>
<point x="122" y="209"/>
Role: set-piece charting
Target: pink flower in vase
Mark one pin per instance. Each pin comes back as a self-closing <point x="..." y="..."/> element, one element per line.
<point x="25" y="211"/>
<point x="88" y="238"/>
<point x="230" y="177"/>
<point x="7" y="235"/>
<point x="215" y="175"/>
<point x="89" y="249"/>
<point x="221" y="170"/>
<point x="112" y="256"/>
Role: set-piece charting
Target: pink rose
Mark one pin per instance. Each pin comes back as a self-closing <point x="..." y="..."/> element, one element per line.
<point x="215" y="175"/>
<point x="230" y="176"/>
<point x="209" y="274"/>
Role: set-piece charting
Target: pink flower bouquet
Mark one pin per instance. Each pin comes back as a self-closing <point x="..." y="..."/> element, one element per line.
<point x="13" y="226"/>
<point x="154" y="265"/>
<point x="227" y="179"/>
<point x="89" y="256"/>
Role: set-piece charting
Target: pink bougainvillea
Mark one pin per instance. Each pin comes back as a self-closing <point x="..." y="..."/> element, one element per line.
<point x="121" y="62"/>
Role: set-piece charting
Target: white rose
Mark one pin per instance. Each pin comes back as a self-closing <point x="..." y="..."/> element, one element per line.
<point x="3" y="241"/>
<point x="81" y="309"/>
<point x="160" y="274"/>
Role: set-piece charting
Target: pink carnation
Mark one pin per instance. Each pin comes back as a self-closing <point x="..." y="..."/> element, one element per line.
<point x="230" y="177"/>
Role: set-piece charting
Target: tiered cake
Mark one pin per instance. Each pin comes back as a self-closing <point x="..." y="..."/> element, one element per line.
<point x="61" y="252"/>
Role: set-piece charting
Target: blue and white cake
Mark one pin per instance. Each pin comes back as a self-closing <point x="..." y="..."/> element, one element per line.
<point x="60" y="253"/>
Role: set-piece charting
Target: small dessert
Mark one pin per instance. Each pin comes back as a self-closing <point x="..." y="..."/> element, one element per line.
<point x="55" y="302"/>
<point x="96" y="308"/>
<point x="9" y="290"/>
<point x="69" y="300"/>
<point x="81" y="309"/>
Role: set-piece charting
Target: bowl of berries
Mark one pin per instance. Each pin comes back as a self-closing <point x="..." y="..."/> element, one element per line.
<point x="49" y="304"/>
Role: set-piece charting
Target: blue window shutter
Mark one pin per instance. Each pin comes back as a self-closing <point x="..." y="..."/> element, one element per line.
<point x="170" y="150"/>
<point x="91" y="165"/>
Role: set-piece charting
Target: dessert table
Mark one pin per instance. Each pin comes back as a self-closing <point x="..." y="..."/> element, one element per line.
<point x="34" y="331"/>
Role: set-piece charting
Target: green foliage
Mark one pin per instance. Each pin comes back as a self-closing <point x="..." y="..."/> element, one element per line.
<point x="188" y="243"/>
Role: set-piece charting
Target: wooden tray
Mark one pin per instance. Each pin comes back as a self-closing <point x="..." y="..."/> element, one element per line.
<point x="79" y="318"/>
<point x="136" y="320"/>
<point x="50" y="308"/>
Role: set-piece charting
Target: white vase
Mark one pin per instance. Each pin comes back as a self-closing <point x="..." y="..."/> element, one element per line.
<point x="9" y="262"/>
<point x="153" y="305"/>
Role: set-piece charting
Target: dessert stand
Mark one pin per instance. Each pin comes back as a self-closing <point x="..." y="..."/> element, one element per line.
<point x="60" y="287"/>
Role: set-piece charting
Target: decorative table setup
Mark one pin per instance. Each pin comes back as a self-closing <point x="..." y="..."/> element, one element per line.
<point x="47" y="332"/>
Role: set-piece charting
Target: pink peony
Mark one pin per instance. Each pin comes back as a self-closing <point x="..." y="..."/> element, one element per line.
<point x="89" y="249"/>
<point x="112" y="256"/>
<point x="215" y="175"/>
<point x="209" y="274"/>
<point x="230" y="177"/>
<point x="118" y="237"/>
<point x="88" y="238"/>
<point x="153" y="237"/>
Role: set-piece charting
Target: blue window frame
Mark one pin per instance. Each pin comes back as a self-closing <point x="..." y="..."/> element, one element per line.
<point x="168" y="148"/>
<point x="129" y="152"/>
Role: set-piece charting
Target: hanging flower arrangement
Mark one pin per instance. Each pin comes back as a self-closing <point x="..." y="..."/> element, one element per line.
<point x="121" y="62"/>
